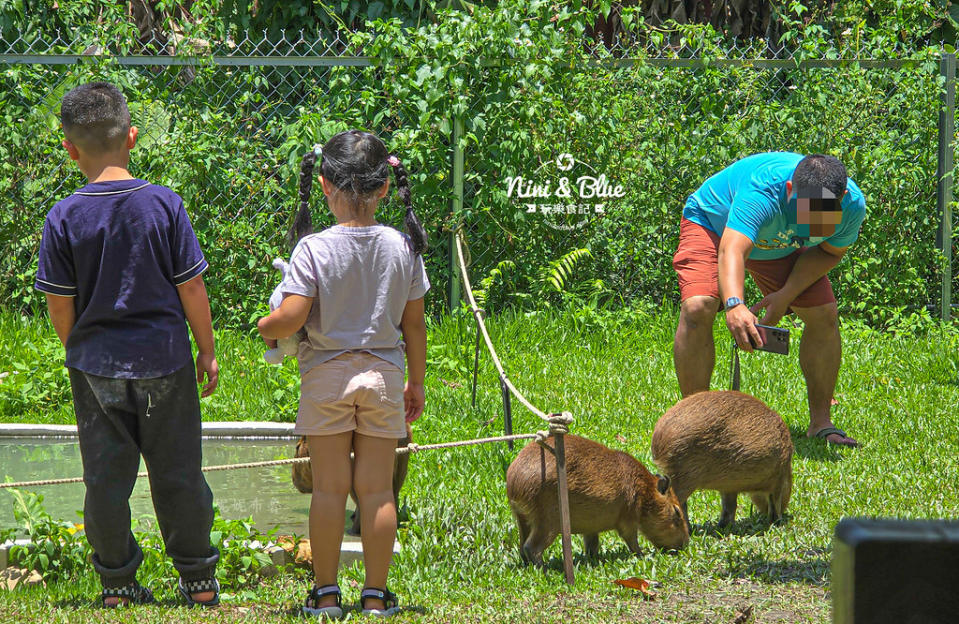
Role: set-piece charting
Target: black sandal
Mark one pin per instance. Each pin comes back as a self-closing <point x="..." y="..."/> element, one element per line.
<point x="388" y="598"/>
<point x="188" y="588"/>
<point x="312" y="604"/>
<point x="133" y="594"/>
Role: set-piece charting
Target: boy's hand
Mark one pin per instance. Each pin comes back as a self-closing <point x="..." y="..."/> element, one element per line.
<point x="206" y="365"/>
<point x="414" y="398"/>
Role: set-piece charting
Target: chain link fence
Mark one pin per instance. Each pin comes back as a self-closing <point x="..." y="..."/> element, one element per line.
<point x="632" y="134"/>
<point x="632" y="131"/>
<point x="226" y="129"/>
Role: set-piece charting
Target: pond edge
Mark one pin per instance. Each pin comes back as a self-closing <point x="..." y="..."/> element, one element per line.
<point x="252" y="430"/>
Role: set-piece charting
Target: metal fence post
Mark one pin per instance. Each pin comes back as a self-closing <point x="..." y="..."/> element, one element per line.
<point x="947" y="130"/>
<point x="457" y="208"/>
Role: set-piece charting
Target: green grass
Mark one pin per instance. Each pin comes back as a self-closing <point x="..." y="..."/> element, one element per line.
<point x="897" y="394"/>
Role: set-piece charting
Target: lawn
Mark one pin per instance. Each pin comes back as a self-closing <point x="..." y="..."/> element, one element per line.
<point x="897" y="394"/>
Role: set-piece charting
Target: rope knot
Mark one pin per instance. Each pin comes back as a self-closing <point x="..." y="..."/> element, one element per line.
<point x="413" y="447"/>
<point x="559" y="423"/>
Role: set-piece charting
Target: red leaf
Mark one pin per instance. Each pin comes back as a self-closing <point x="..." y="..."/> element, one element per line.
<point x="637" y="583"/>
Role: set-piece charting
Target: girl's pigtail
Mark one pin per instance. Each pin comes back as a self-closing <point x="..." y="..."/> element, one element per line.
<point x="303" y="221"/>
<point x="413" y="226"/>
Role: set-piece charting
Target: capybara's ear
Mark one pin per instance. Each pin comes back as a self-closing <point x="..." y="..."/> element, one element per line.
<point x="662" y="485"/>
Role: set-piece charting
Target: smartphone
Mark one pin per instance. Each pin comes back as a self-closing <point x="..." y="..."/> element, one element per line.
<point x="775" y="339"/>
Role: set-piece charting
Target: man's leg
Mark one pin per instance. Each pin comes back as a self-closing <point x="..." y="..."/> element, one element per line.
<point x="694" y="353"/>
<point x="820" y="352"/>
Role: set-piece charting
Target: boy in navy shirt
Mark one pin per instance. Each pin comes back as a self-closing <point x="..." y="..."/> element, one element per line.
<point x="121" y="269"/>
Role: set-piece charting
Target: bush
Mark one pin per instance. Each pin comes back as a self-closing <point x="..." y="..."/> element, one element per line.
<point x="228" y="138"/>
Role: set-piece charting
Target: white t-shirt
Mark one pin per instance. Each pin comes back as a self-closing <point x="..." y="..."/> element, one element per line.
<point x="360" y="279"/>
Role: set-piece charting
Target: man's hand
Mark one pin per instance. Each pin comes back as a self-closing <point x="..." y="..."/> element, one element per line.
<point x="414" y="398"/>
<point x="742" y="324"/>
<point x="206" y="366"/>
<point x="775" y="304"/>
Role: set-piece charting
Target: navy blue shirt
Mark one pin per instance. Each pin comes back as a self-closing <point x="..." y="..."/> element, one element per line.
<point x="121" y="248"/>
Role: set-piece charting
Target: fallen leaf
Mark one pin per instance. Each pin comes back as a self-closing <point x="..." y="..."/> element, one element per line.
<point x="621" y="439"/>
<point x="637" y="583"/>
<point x="833" y="401"/>
<point x="744" y="615"/>
<point x="451" y="384"/>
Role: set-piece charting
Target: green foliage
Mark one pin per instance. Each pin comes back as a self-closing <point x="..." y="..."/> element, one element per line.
<point x="56" y="550"/>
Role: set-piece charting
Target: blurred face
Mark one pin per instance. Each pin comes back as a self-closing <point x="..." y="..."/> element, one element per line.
<point x="819" y="209"/>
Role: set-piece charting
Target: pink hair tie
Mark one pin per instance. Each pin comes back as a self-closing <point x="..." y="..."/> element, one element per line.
<point x="393" y="161"/>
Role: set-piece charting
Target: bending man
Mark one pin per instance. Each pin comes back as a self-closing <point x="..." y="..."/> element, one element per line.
<point x="787" y="220"/>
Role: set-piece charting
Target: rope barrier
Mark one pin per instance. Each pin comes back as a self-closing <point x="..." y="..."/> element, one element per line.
<point x="482" y="325"/>
<point x="402" y="450"/>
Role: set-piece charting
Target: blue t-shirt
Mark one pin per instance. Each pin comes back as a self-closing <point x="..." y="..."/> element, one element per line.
<point x="749" y="196"/>
<point x="121" y="248"/>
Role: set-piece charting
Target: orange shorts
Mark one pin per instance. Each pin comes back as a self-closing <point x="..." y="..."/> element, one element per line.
<point x="697" y="265"/>
<point x="354" y="391"/>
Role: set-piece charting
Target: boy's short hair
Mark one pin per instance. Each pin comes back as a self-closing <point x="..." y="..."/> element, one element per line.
<point x="95" y="117"/>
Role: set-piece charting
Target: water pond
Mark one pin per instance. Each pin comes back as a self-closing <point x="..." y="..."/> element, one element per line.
<point x="266" y="494"/>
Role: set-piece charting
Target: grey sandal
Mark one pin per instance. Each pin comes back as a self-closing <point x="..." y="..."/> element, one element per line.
<point x="188" y="588"/>
<point x="388" y="598"/>
<point x="312" y="604"/>
<point x="133" y="594"/>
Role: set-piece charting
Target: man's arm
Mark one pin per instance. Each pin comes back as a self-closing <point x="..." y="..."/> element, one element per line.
<point x="62" y="315"/>
<point x="734" y="248"/>
<point x="196" y="307"/>
<point x="811" y="265"/>
<point x="413" y="325"/>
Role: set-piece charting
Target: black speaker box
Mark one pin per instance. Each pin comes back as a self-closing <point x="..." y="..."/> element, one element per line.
<point x="895" y="572"/>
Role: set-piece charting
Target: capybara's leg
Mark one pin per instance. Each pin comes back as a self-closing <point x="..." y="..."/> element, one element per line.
<point x="761" y="500"/>
<point x="779" y="498"/>
<point x="402" y="465"/>
<point x="786" y="488"/>
<point x="729" y="508"/>
<point x="591" y="544"/>
<point x="630" y="537"/>
<point x="682" y="505"/>
<point x="523" y="525"/>
<point x="539" y="538"/>
<point x="355" y="527"/>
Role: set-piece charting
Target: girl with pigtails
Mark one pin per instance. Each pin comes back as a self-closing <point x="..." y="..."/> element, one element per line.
<point x="357" y="290"/>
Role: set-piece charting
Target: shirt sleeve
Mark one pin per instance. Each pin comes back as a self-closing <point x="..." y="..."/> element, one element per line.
<point x="188" y="260"/>
<point x="751" y="209"/>
<point x="301" y="278"/>
<point x="420" y="283"/>
<point x="853" y="214"/>
<point x="56" y="273"/>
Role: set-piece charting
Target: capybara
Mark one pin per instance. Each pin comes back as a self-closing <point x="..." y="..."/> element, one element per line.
<point x="729" y="442"/>
<point x="608" y="490"/>
<point x="303" y="475"/>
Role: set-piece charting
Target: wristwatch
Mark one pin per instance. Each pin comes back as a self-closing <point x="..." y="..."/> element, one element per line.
<point x="732" y="302"/>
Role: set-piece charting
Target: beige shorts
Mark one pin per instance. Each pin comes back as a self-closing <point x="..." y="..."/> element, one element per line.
<point x="354" y="391"/>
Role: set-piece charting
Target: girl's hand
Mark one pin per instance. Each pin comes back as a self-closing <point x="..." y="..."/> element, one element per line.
<point x="414" y="397"/>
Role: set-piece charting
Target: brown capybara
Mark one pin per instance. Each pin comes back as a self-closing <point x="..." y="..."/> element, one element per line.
<point x="303" y="475"/>
<point x="729" y="442"/>
<point x="608" y="490"/>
